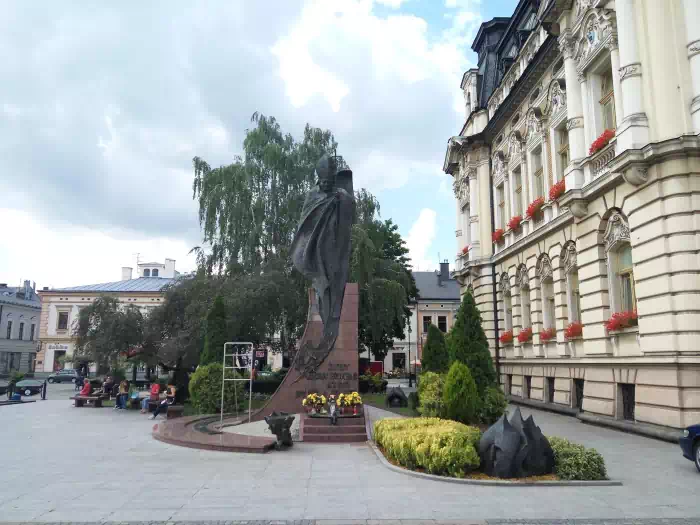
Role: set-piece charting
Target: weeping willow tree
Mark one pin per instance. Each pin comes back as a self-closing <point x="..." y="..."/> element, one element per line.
<point x="249" y="211"/>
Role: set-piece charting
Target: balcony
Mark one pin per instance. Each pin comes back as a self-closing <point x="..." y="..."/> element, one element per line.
<point x="598" y="164"/>
<point x="461" y="261"/>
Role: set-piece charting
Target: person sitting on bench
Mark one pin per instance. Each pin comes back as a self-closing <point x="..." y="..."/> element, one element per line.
<point x="169" y="400"/>
<point x="87" y="388"/>
<point x="155" y="396"/>
<point x="122" y="396"/>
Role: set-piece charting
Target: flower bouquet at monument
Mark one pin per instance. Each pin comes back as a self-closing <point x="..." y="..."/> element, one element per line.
<point x="314" y="402"/>
<point x="342" y="402"/>
<point x="354" y="400"/>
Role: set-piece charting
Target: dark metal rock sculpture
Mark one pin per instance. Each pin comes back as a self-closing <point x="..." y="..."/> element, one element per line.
<point x="396" y="398"/>
<point x="515" y="449"/>
<point x="321" y="252"/>
<point x="281" y="426"/>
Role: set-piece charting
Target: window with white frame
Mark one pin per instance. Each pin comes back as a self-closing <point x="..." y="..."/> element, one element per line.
<point x="537" y="174"/>
<point x="562" y="150"/>
<point x="501" y="200"/>
<point x="147" y="272"/>
<point x="518" y="192"/>
<point x="525" y="310"/>
<point x="154" y="272"/>
<point x="573" y="296"/>
<point x="507" y="303"/>
<point x="620" y="267"/>
<point x="544" y="272"/>
<point x="607" y="100"/>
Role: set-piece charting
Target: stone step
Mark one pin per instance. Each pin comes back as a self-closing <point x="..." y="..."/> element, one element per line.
<point x="326" y="421"/>
<point x="335" y="438"/>
<point x="345" y="429"/>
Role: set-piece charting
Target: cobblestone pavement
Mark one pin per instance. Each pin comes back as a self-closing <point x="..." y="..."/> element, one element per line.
<point x="64" y="464"/>
<point x="652" y="521"/>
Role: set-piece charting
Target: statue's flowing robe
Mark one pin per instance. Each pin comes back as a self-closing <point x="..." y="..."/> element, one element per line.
<point x="321" y="252"/>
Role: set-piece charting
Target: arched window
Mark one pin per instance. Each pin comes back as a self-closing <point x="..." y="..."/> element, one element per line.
<point x="154" y="273"/>
<point x="147" y="272"/>
<point x="620" y="268"/>
<point x="507" y="303"/>
<point x="524" y="285"/>
<point x="573" y="296"/>
<point x="544" y="272"/>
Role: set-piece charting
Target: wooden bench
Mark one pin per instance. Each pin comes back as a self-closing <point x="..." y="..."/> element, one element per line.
<point x="81" y="400"/>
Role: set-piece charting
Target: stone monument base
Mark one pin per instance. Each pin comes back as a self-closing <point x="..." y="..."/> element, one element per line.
<point x="337" y="374"/>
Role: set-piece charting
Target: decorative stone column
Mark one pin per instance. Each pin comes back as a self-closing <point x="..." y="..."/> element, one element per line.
<point x="633" y="130"/>
<point x="473" y="219"/>
<point x="574" y="113"/>
<point x="617" y="86"/>
<point x="691" y="9"/>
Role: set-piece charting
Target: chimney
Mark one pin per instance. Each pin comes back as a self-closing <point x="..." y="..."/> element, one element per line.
<point x="444" y="271"/>
<point x="126" y="273"/>
<point x="27" y="290"/>
<point x="169" y="268"/>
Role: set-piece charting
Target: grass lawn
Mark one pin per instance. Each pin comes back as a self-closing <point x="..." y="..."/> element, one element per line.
<point x="379" y="401"/>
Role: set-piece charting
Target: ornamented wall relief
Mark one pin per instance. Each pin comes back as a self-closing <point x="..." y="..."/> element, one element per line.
<point x="631" y="70"/>
<point x="515" y="145"/>
<point x="534" y="123"/>
<point x="569" y="257"/>
<point x="556" y="98"/>
<point x="522" y="278"/>
<point x="544" y="267"/>
<point x="505" y="284"/>
<point x="617" y="231"/>
<point x="573" y="123"/>
<point x="499" y="167"/>
<point x="596" y="30"/>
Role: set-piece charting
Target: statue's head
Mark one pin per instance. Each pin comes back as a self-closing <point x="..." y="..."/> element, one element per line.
<point x="326" y="168"/>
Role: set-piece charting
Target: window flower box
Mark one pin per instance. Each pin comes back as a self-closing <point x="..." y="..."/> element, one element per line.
<point x="525" y="335"/>
<point x="601" y="142"/>
<point x="497" y="236"/>
<point x="548" y="334"/>
<point x="506" y="337"/>
<point x="557" y="190"/>
<point x="514" y="222"/>
<point x="535" y="208"/>
<point x="621" y="320"/>
<point x="573" y="331"/>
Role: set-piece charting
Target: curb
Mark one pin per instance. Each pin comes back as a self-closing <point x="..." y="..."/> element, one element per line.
<point x="504" y="483"/>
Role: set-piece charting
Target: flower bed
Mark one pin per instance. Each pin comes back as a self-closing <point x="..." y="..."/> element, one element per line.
<point x="497" y="236"/>
<point x="601" y="142"/>
<point x="437" y="446"/>
<point x="622" y="320"/>
<point x="525" y="335"/>
<point x="547" y="334"/>
<point x="535" y="208"/>
<point x="573" y="330"/>
<point x="576" y="462"/>
<point x="506" y="337"/>
<point x="514" y="222"/>
<point x="557" y="190"/>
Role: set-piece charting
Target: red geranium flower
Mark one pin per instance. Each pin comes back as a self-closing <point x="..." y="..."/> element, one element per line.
<point x="573" y="330"/>
<point x="506" y="337"/>
<point x="514" y="222"/>
<point x="557" y="190"/>
<point x="601" y="142"/>
<point x="535" y="207"/>
<point x="621" y="320"/>
<point x="547" y="334"/>
<point x="497" y="236"/>
<point x="525" y="335"/>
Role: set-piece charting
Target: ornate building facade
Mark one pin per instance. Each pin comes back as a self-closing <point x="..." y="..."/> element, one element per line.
<point x="577" y="181"/>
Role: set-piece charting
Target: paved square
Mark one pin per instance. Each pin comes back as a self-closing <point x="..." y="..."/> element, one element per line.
<point x="60" y="463"/>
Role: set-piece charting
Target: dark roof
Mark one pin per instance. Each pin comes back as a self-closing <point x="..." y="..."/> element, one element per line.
<point x="494" y="23"/>
<point x="8" y="295"/>
<point x="429" y="287"/>
<point x="142" y="284"/>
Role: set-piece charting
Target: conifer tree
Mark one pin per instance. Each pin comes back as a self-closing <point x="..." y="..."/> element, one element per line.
<point x="435" y="356"/>
<point x="216" y="333"/>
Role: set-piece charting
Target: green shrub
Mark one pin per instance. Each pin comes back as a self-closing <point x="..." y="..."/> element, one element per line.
<point x="435" y="357"/>
<point x="493" y="405"/>
<point x="205" y="390"/>
<point x="413" y="401"/>
<point x="576" y="462"/>
<point x="439" y="446"/>
<point x="430" y="394"/>
<point x="460" y="398"/>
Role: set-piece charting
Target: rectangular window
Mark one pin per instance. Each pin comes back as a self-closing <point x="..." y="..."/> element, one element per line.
<point x="32" y="329"/>
<point x="527" y="386"/>
<point x="509" y="384"/>
<point x="427" y="320"/>
<point x="607" y="101"/>
<point x="550" y="390"/>
<point x="537" y="174"/>
<point x="21" y="332"/>
<point x="3" y="362"/>
<point x="626" y="393"/>
<point x="442" y="323"/>
<point x="548" y="297"/>
<point x="563" y="152"/>
<point x="9" y="329"/>
<point x="518" y="186"/>
<point x="628" y="300"/>
<point x="501" y="198"/>
<point x="575" y="307"/>
<point x="15" y="360"/>
<point x="578" y="393"/>
<point x="63" y="320"/>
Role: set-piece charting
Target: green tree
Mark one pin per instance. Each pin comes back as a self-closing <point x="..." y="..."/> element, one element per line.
<point x="468" y="344"/>
<point x="430" y="394"/>
<point x="435" y="357"/>
<point x="205" y="390"/>
<point x="216" y="333"/>
<point x="460" y="397"/>
<point x="106" y="333"/>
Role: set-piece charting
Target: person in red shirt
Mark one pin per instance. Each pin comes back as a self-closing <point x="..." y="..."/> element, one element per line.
<point x="87" y="388"/>
<point x="155" y="396"/>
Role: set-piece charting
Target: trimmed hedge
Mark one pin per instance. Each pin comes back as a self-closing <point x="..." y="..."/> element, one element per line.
<point x="438" y="446"/>
<point x="576" y="462"/>
<point x="459" y="396"/>
<point x="430" y="399"/>
<point x="493" y="405"/>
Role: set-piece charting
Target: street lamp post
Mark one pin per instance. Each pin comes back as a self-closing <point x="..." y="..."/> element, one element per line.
<point x="410" y="375"/>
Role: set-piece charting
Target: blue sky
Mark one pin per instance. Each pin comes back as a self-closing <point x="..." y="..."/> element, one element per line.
<point x="104" y="107"/>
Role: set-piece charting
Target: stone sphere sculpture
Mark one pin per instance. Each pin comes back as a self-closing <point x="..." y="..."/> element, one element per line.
<point x="515" y="449"/>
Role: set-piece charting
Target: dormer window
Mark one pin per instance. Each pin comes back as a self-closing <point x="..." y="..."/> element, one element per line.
<point x="147" y="272"/>
<point x="154" y="273"/>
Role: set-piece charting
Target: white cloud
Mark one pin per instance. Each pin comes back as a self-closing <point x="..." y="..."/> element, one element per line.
<point x="394" y="4"/>
<point x="419" y="240"/>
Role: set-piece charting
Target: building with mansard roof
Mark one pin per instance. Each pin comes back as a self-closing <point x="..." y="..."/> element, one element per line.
<point x="577" y="178"/>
